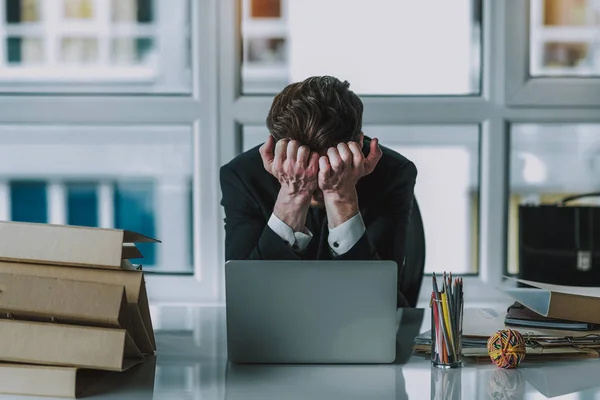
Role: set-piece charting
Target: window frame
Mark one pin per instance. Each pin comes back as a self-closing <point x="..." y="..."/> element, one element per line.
<point x="524" y="90"/>
<point x="101" y="77"/>
<point x="193" y="110"/>
<point x="217" y="109"/>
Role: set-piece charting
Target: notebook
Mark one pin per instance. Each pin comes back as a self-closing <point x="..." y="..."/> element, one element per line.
<point x="519" y="315"/>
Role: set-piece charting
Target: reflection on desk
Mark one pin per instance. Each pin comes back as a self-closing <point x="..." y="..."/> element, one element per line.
<point x="192" y="364"/>
<point x="323" y="382"/>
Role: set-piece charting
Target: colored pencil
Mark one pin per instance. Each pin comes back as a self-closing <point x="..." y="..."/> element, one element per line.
<point x="446" y="323"/>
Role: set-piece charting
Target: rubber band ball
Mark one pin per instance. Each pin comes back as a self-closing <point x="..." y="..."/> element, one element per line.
<point x="506" y="348"/>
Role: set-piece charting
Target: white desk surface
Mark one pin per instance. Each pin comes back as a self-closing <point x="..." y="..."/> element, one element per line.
<point x="191" y="363"/>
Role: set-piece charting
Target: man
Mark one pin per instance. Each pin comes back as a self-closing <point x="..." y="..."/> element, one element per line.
<point x="317" y="188"/>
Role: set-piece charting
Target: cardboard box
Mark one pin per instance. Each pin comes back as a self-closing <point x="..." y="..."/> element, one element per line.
<point x="28" y="297"/>
<point x="133" y="281"/>
<point x="70" y="382"/>
<point x="44" y="343"/>
<point x="68" y="245"/>
<point x="51" y="381"/>
<point x="562" y="302"/>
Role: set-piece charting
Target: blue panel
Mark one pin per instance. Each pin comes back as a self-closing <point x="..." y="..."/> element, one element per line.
<point x="82" y="204"/>
<point x="134" y="207"/>
<point x="13" y="50"/>
<point x="28" y="201"/>
<point x="144" y="11"/>
<point x="12" y="11"/>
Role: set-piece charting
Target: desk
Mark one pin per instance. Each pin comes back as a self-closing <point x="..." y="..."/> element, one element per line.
<point x="191" y="364"/>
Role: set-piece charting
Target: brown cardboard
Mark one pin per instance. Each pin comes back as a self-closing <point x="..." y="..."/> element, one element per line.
<point x="68" y="245"/>
<point x="64" y="301"/>
<point x="50" y="381"/>
<point x="571" y="303"/>
<point x="135" y="291"/>
<point x="45" y="343"/>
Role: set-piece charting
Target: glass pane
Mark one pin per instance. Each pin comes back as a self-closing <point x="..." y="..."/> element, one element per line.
<point x="82" y="204"/>
<point x="132" y="10"/>
<point x="128" y="51"/>
<point x="90" y="46"/>
<point x="78" y="9"/>
<point x="24" y="51"/>
<point x="390" y="47"/>
<point x="28" y="201"/>
<point x="549" y="162"/>
<point x="135" y="177"/>
<point x="265" y="8"/>
<point x="266" y="51"/>
<point x="79" y="51"/>
<point x="447" y="161"/>
<point x="22" y="11"/>
<point x="565" y="38"/>
<point x="134" y="210"/>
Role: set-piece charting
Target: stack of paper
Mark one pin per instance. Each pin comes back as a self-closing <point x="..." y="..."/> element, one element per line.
<point x="72" y="307"/>
<point x="578" y="305"/>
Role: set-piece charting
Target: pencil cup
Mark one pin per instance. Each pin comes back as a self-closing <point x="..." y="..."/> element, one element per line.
<point x="446" y="331"/>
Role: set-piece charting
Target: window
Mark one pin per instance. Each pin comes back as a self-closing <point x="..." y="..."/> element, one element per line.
<point x="95" y="46"/>
<point x="136" y="177"/>
<point x="134" y="206"/>
<point x="447" y="188"/>
<point x="28" y="201"/>
<point x="565" y="37"/>
<point x="384" y="47"/>
<point x="549" y="162"/>
<point x="82" y="204"/>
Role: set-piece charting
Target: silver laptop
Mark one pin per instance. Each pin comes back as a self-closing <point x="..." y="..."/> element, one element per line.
<point x="311" y="312"/>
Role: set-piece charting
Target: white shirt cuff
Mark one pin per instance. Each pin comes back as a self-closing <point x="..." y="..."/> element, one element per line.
<point x="343" y="237"/>
<point x="298" y="241"/>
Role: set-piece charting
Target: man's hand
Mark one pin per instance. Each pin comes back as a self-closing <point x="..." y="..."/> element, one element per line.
<point x="344" y="165"/>
<point x="339" y="172"/>
<point x="297" y="170"/>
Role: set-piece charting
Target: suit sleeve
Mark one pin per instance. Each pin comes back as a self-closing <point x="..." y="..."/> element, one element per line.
<point x="385" y="236"/>
<point x="247" y="234"/>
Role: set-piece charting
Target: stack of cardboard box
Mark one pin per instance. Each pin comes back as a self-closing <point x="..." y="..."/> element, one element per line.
<point x="72" y="307"/>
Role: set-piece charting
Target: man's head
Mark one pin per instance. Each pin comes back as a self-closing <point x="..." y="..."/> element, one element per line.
<point x="319" y="112"/>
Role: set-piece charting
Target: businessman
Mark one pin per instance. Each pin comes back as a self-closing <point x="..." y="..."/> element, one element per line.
<point x="318" y="188"/>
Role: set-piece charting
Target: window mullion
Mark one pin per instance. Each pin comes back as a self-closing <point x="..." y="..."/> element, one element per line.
<point x="51" y="11"/>
<point x="4" y="200"/>
<point x="493" y="200"/>
<point x="102" y="13"/>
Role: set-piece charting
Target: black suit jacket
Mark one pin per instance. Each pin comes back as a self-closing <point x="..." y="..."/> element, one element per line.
<point x="385" y="200"/>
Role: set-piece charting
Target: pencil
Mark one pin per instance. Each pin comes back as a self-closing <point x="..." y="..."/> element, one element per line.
<point x="435" y="329"/>
<point x="440" y="316"/>
<point x="447" y="322"/>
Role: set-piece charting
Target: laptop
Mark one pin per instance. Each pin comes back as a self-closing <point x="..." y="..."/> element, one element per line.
<point x="311" y="312"/>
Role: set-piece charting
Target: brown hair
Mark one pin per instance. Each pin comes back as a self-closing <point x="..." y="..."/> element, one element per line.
<point x="320" y="112"/>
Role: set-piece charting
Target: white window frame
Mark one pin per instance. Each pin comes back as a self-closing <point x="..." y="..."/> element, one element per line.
<point x="524" y="90"/>
<point x="99" y="77"/>
<point x="216" y="110"/>
<point x="197" y="110"/>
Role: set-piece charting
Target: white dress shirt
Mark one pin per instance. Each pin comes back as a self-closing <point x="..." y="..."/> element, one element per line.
<point x="341" y="238"/>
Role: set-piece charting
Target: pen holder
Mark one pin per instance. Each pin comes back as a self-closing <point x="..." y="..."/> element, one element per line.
<point x="446" y="332"/>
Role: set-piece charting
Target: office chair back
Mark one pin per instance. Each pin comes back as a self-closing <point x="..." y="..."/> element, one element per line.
<point x="411" y="276"/>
